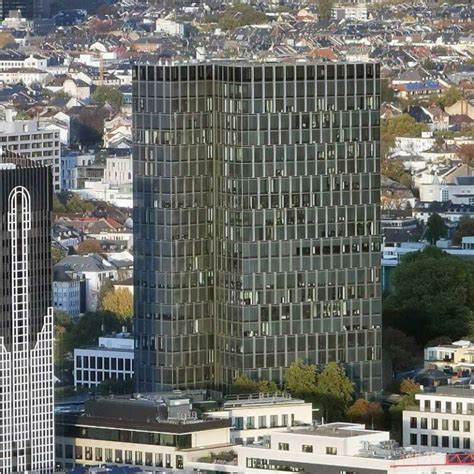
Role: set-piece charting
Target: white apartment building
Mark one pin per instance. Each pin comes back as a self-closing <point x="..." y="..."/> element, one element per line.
<point x="118" y="170"/>
<point x="335" y="448"/>
<point x="68" y="287"/>
<point x="443" y="420"/>
<point x="258" y="415"/>
<point x="455" y="357"/>
<point x="414" y="145"/>
<point x="112" y="359"/>
<point x="28" y="139"/>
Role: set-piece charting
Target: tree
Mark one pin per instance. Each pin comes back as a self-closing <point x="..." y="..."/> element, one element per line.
<point x="448" y="97"/>
<point x="433" y="295"/>
<point x="75" y="204"/>
<point x="324" y="8"/>
<point x="119" y="301"/>
<point x="89" y="246"/>
<point x="403" y="125"/>
<point x="108" y="95"/>
<point x="409" y="386"/>
<point x="300" y="379"/>
<point x="58" y="206"/>
<point x="63" y="324"/>
<point x="334" y="391"/>
<point x="241" y="15"/>
<point x="465" y="229"/>
<point x="116" y="387"/>
<point x="387" y="94"/>
<point x="244" y="384"/>
<point x="57" y="254"/>
<point x="466" y="154"/>
<point x="435" y="228"/>
<point x="401" y="350"/>
<point x="369" y="413"/>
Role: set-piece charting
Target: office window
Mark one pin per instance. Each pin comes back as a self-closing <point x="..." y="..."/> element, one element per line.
<point x="159" y="460"/>
<point x="284" y="420"/>
<point x="424" y="423"/>
<point x="273" y="420"/>
<point x="434" y="441"/>
<point x="78" y="452"/>
<point x="88" y="453"/>
<point x="128" y="457"/>
<point x="445" y="424"/>
<point x="98" y="454"/>
<point x="148" y="459"/>
<point x="108" y="455"/>
<point x="138" y="458"/>
<point x="413" y="422"/>
<point x="307" y="448"/>
<point x="455" y="442"/>
<point x="331" y="450"/>
<point x="424" y="440"/>
<point x="262" y="421"/>
<point x="445" y="441"/>
<point x="466" y="443"/>
<point x="179" y="462"/>
<point x="413" y="438"/>
<point x="283" y="446"/>
<point x="455" y="425"/>
<point x="250" y="422"/>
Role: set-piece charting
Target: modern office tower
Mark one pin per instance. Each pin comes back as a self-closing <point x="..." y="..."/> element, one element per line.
<point x="30" y="9"/>
<point x="256" y="221"/>
<point x="26" y="318"/>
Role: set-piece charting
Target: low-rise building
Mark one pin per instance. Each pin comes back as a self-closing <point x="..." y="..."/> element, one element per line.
<point x="111" y="359"/>
<point x="69" y="291"/>
<point x="156" y="433"/>
<point x="258" y="415"/>
<point x="455" y="357"/>
<point x="442" y="421"/>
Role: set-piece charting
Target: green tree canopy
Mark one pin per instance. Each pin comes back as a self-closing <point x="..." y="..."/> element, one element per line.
<point x="448" y="97"/>
<point x="403" y="125"/>
<point x="301" y="379"/>
<point x="324" y="9"/>
<point x="108" y="95"/>
<point x="244" y="384"/>
<point x="57" y="254"/>
<point x="241" y="15"/>
<point x="435" y="228"/>
<point x="433" y="295"/>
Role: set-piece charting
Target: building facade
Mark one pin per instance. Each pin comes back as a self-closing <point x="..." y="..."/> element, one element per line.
<point x="26" y="318"/>
<point x="443" y="420"/>
<point x="111" y="359"/>
<point x="256" y="221"/>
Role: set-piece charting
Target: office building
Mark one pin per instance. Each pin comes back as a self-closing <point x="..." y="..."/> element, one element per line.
<point x="26" y="317"/>
<point x="29" y="9"/>
<point x="27" y="139"/>
<point x="442" y="421"/>
<point x="159" y="434"/>
<point x="111" y="359"/>
<point x="256" y="221"/>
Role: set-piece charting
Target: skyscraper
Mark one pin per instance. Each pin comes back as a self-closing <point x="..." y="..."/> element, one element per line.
<point x="30" y="9"/>
<point x="256" y="221"/>
<point x="26" y="318"/>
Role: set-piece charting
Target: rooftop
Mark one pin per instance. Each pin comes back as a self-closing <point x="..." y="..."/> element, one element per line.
<point x="336" y="430"/>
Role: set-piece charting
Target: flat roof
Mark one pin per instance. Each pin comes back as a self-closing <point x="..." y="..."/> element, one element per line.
<point x="336" y="430"/>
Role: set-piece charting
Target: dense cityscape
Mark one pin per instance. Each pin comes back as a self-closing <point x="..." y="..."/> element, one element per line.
<point x="236" y="237"/>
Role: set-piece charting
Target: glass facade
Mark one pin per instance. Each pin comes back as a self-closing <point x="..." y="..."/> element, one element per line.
<point x="256" y="221"/>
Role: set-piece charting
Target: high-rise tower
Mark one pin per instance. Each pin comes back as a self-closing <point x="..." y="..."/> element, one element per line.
<point x="26" y="318"/>
<point x="256" y="221"/>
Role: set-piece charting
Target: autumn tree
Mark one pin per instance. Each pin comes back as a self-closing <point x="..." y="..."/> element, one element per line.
<point x="466" y="154"/>
<point x="119" y="301"/>
<point x="369" y="413"/>
<point x="324" y="9"/>
<point x="409" y="386"/>
<point x="465" y="229"/>
<point x="244" y="384"/>
<point x="89" y="246"/>
<point x="448" y="97"/>
<point x="300" y="379"/>
<point x="57" y="254"/>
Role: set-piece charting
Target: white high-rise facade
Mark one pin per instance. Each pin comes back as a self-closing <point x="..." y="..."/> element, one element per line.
<point x="26" y="320"/>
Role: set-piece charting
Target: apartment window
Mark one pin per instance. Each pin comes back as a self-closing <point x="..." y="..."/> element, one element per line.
<point x="413" y="438"/>
<point x="88" y="453"/>
<point x="445" y="441"/>
<point x="466" y="443"/>
<point x="250" y="422"/>
<point x="118" y="456"/>
<point x="424" y="423"/>
<point x="448" y="407"/>
<point x="466" y="426"/>
<point x="138" y="458"/>
<point x="434" y="441"/>
<point x="283" y="446"/>
<point x="159" y="460"/>
<point x="434" y="423"/>
<point x="262" y="421"/>
<point x="108" y="455"/>
<point x="284" y="420"/>
<point x="239" y="423"/>
<point x="455" y="425"/>
<point x="413" y="422"/>
<point x="455" y="442"/>
<point x="179" y="462"/>
<point x="438" y="405"/>
<point x="128" y="457"/>
<point x="331" y="450"/>
<point x="168" y="460"/>
<point x="273" y="420"/>
<point x="98" y="454"/>
<point x="307" y="448"/>
<point x="148" y="459"/>
<point x="424" y="440"/>
<point x="445" y="425"/>
<point x="78" y="452"/>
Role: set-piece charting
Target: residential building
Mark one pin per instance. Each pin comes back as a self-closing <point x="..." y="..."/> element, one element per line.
<point x="442" y="421"/>
<point x="256" y="221"/>
<point x="69" y="162"/>
<point x="69" y="291"/>
<point x="456" y="357"/>
<point x="94" y="269"/>
<point x="26" y="315"/>
<point x="111" y="359"/>
<point x="29" y="8"/>
<point x="27" y="139"/>
<point x="118" y="170"/>
<point x="258" y="415"/>
<point x="160" y="435"/>
<point x="335" y="448"/>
